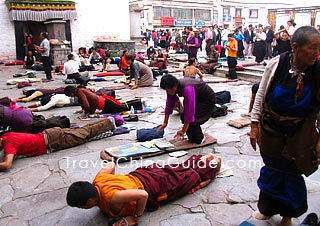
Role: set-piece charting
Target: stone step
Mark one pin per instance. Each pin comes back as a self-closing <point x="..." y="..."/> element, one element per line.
<point x="243" y="75"/>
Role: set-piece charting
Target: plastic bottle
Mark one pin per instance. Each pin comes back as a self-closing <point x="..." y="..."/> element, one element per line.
<point x="148" y="109"/>
<point x="132" y="110"/>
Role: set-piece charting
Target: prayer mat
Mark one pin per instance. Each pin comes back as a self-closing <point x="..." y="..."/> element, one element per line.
<point x="184" y="144"/>
<point x="17" y="80"/>
<point x="101" y="136"/>
<point x="110" y="73"/>
<point x="246" y="223"/>
<point x="218" y="80"/>
<point x="116" y="87"/>
<point x="14" y="63"/>
<point x="127" y="152"/>
<point x="239" y="122"/>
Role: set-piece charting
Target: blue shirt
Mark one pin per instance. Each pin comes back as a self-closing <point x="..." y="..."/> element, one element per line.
<point x="239" y="36"/>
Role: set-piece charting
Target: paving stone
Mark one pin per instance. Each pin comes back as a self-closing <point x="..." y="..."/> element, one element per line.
<point x="71" y="216"/>
<point x="226" y="150"/>
<point x="223" y="138"/>
<point x="224" y="214"/>
<point x="15" y="222"/>
<point x="187" y="220"/>
<point x="40" y="203"/>
<point x="27" y="185"/>
<point x="6" y="192"/>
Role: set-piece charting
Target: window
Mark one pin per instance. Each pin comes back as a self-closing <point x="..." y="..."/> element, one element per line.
<point x="238" y="13"/>
<point x="215" y="17"/>
<point x="161" y="11"/>
<point x="180" y="13"/>
<point x="253" y="13"/>
<point x="202" y="14"/>
<point x="226" y="11"/>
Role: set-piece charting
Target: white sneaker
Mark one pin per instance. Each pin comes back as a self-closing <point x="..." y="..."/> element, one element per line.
<point x="113" y="121"/>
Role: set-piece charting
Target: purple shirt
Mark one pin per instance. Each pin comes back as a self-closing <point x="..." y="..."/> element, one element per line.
<point x="49" y="91"/>
<point x="196" y="41"/>
<point x="189" y="103"/>
<point x="19" y="120"/>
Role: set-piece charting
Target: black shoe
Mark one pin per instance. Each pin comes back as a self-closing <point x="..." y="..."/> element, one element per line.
<point x="310" y="220"/>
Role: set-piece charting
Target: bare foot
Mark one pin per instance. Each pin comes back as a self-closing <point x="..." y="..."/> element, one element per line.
<point x="259" y="216"/>
<point x="286" y="221"/>
<point x="208" y="157"/>
<point x="217" y="161"/>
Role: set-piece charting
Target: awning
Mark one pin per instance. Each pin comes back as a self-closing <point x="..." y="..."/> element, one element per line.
<point x="34" y="10"/>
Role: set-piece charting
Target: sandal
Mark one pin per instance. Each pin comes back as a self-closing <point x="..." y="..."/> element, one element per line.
<point x="131" y="118"/>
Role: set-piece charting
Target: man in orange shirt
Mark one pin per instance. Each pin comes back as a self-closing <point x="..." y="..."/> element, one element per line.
<point x="232" y="48"/>
<point x="147" y="187"/>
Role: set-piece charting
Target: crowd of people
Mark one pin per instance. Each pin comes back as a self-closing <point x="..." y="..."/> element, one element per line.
<point x="284" y="119"/>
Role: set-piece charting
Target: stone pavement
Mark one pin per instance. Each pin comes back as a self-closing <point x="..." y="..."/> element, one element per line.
<point x="33" y="192"/>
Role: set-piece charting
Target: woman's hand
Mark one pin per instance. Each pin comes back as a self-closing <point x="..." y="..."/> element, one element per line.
<point x="162" y="127"/>
<point x="179" y="134"/>
<point x="254" y="134"/>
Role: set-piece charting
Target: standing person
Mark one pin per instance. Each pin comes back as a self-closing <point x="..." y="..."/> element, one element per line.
<point x="248" y="41"/>
<point x="232" y="48"/>
<point x="290" y="28"/>
<point x="28" y="43"/>
<point x="199" y="100"/>
<point x="163" y="39"/>
<point x="147" y="36"/>
<point x="283" y="42"/>
<point x="214" y="35"/>
<point x="50" y="140"/>
<point x="269" y="39"/>
<point x="193" y="45"/>
<point x="200" y="37"/>
<point x="217" y="32"/>
<point x="208" y="35"/>
<point x="284" y="125"/>
<point x="44" y="50"/>
<point x="224" y="36"/>
<point x="185" y="35"/>
<point x="141" y="73"/>
<point x="145" y="188"/>
<point x="259" y="50"/>
<point x="239" y="37"/>
<point x="168" y="38"/>
<point x="155" y="39"/>
<point x="178" y="40"/>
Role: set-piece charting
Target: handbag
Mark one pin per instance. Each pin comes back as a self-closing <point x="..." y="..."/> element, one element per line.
<point x="149" y="134"/>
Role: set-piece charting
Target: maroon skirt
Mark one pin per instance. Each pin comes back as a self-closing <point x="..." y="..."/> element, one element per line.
<point x="175" y="180"/>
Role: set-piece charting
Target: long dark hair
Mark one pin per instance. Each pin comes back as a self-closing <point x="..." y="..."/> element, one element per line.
<point x="168" y="82"/>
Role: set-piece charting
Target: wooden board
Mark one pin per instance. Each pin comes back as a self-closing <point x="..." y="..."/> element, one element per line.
<point x="131" y="151"/>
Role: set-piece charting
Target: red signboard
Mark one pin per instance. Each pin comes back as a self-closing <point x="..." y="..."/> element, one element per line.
<point x="167" y="21"/>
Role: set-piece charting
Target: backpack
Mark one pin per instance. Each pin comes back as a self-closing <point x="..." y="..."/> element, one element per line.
<point x="149" y="134"/>
<point x="223" y="97"/>
<point x="219" y="110"/>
